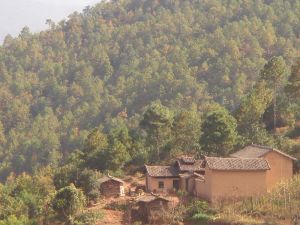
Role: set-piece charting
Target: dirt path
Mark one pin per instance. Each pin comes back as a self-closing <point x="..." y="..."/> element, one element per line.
<point x="111" y="217"/>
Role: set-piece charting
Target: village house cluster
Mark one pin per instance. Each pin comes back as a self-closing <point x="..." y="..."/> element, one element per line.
<point x="251" y="171"/>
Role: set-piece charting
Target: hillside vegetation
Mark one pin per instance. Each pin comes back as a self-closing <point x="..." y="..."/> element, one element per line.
<point x="116" y="58"/>
<point x="129" y="82"/>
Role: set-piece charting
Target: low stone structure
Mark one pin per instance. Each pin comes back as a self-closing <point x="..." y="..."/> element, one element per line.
<point x="111" y="186"/>
<point x="150" y="207"/>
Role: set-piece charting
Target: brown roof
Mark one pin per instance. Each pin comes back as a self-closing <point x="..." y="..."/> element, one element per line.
<point x="257" y="151"/>
<point x="150" y="198"/>
<point x="108" y="178"/>
<point x="161" y="171"/>
<point x="188" y="160"/>
<point x="194" y="174"/>
<point x="189" y="164"/>
<point x="243" y="164"/>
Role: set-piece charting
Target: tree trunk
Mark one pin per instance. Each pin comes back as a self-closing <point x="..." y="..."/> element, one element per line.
<point x="275" y="107"/>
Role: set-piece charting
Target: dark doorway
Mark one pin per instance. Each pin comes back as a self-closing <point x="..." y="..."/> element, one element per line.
<point x="187" y="184"/>
<point x="176" y="184"/>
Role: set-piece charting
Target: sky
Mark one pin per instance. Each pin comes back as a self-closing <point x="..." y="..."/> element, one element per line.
<point x="16" y="14"/>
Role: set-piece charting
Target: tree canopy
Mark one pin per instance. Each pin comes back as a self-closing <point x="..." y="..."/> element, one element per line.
<point x="129" y="82"/>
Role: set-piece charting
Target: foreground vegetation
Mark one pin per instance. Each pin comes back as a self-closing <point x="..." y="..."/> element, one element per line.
<point x="131" y="82"/>
<point x="280" y="206"/>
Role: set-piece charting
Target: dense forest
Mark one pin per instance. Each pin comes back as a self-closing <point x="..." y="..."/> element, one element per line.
<point x="128" y="82"/>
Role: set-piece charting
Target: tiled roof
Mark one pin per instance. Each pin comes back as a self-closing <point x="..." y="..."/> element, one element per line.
<point x="190" y="164"/>
<point x="161" y="171"/>
<point x="243" y="164"/>
<point x="188" y="160"/>
<point x="257" y="151"/>
<point x="107" y="178"/>
<point x="150" y="198"/>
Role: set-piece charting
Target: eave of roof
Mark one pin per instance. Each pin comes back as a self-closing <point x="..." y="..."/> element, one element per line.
<point x="108" y="178"/>
<point x="237" y="164"/>
<point x="162" y="171"/>
<point x="150" y="198"/>
<point x="260" y="152"/>
<point x="190" y="167"/>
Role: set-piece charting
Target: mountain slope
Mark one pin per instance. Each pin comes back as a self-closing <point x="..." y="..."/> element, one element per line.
<point x="119" y="56"/>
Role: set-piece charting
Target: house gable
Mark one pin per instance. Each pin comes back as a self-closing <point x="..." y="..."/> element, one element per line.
<point x="189" y="164"/>
<point x="258" y="151"/>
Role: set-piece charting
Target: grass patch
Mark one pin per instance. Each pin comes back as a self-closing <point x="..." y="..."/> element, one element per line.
<point x="277" y="207"/>
<point x="118" y="206"/>
<point x="88" y="218"/>
<point x="202" y="217"/>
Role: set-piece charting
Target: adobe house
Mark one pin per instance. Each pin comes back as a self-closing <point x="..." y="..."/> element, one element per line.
<point x="161" y="178"/>
<point x="181" y="175"/>
<point x="111" y="186"/>
<point x="281" y="163"/>
<point x="229" y="178"/>
<point x="150" y="206"/>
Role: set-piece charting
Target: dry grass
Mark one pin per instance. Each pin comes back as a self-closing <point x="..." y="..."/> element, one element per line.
<point x="277" y="207"/>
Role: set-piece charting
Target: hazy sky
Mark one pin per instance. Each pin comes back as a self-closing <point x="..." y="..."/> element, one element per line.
<point x="15" y="14"/>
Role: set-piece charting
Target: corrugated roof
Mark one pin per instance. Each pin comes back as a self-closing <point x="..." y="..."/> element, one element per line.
<point x="161" y="171"/>
<point x="257" y="151"/>
<point x="150" y="198"/>
<point x="242" y="164"/>
<point x="107" y="178"/>
<point x="188" y="159"/>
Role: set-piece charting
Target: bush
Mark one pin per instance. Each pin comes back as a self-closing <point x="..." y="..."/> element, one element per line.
<point x="13" y="220"/>
<point x="68" y="201"/>
<point x="202" y="217"/>
<point x="118" y="206"/>
<point x="87" y="218"/>
<point x="87" y="181"/>
<point x="197" y="207"/>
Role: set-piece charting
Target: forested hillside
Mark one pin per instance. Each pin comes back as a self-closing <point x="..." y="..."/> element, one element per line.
<point x="104" y="67"/>
<point x="129" y="82"/>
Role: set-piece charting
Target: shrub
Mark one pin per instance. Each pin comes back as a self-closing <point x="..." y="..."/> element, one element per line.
<point x="88" y="218"/>
<point x="118" y="206"/>
<point x="202" y="217"/>
<point x="68" y="201"/>
<point x="13" y="220"/>
<point x="87" y="181"/>
<point x="197" y="207"/>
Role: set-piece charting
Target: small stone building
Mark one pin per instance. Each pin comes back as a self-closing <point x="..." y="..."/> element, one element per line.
<point x="281" y="163"/>
<point x="111" y="186"/>
<point x="150" y="207"/>
<point x="232" y="178"/>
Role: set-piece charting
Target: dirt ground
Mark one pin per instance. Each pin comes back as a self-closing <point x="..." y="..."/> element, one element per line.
<point x="116" y="217"/>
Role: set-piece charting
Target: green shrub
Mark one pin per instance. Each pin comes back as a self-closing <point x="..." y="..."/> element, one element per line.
<point x="119" y="206"/>
<point x="87" y="218"/>
<point x="68" y="201"/>
<point x="202" y="217"/>
<point x="13" y="220"/>
<point x="196" y="207"/>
